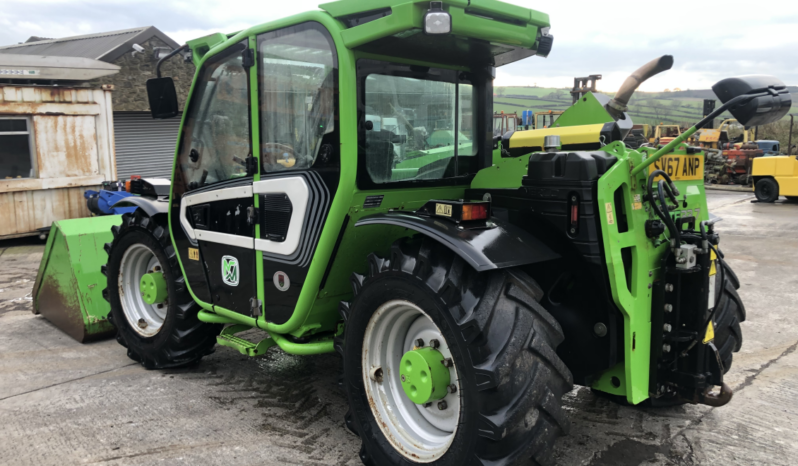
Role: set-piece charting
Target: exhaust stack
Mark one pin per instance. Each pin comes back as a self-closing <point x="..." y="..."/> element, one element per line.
<point x="617" y="106"/>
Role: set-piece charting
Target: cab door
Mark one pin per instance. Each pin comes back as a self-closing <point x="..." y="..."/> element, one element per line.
<point x="216" y="203"/>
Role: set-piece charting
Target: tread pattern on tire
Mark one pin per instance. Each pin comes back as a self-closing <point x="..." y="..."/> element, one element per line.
<point x="729" y="312"/>
<point x="520" y="378"/>
<point x="766" y="184"/>
<point x="191" y="339"/>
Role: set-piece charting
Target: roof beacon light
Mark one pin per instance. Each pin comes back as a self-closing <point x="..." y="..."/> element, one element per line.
<point x="437" y="21"/>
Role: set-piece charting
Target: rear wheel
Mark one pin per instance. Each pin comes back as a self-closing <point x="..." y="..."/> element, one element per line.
<point x="155" y="316"/>
<point x="502" y="403"/>
<point x="766" y="190"/>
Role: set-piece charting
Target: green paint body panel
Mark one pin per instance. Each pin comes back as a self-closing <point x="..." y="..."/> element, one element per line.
<point x="586" y="111"/>
<point x="506" y="172"/>
<point x="633" y="297"/>
<point x="69" y="284"/>
<point x="423" y="375"/>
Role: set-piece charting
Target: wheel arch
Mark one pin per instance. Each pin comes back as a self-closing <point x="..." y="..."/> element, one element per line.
<point x="502" y="246"/>
<point x="756" y="178"/>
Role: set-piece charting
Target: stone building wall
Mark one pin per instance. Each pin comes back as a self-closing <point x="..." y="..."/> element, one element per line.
<point x="130" y="94"/>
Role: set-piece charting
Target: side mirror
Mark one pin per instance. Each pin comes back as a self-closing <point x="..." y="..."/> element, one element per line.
<point x="163" y="97"/>
<point x="771" y="106"/>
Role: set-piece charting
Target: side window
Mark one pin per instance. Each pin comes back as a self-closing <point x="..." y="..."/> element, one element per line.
<point x="297" y="73"/>
<point x="418" y="128"/>
<point x="16" y="156"/>
<point x="216" y="141"/>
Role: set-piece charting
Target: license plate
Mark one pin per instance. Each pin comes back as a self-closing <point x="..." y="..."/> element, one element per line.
<point x="680" y="167"/>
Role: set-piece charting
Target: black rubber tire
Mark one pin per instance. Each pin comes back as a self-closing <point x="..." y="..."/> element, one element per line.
<point x="766" y="190"/>
<point x="792" y="198"/>
<point x="183" y="339"/>
<point x="729" y="312"/>
<point x="503" y="343"/>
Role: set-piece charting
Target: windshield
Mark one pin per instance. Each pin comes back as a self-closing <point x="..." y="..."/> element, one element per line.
<point x="418" y="129"/>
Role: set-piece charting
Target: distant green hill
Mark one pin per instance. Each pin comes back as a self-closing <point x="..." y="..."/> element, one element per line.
<point x="680" y="107"/>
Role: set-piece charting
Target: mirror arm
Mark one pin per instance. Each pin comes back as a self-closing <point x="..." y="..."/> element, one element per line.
<point x="171" y="54"/>
<point x="684" y="136"/>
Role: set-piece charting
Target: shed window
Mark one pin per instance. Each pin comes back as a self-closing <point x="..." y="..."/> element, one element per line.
<point x="16" y="158"/>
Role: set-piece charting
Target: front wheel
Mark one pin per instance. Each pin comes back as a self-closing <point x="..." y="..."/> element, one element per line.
<point x="448" y="366"/>
<point x="155" y="317"/>
<point x="766" y="190"/>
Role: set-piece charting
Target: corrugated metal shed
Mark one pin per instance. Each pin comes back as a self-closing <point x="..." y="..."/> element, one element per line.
<point x="144" y="146"/>
<point x="105" y="46"/>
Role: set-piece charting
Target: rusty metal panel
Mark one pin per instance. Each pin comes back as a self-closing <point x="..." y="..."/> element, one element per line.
<point x="25" y="212"/>
<point x="73" y="146"/>
<point x="66" y="146"/>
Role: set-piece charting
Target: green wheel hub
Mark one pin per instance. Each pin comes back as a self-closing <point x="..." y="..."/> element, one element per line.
<point x="153" y="288"/>
<point x="424" y="376"/>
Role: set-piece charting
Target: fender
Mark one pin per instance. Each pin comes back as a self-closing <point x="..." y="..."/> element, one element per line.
<point x="502" y="246"/>
<point x="151" y="207"/>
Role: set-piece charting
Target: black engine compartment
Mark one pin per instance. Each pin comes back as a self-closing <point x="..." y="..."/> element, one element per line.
<point x="557" y="204"/>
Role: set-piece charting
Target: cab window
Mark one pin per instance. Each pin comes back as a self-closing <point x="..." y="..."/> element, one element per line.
<point x="216" y="140"/>
<point x="417" y="124"/>
<point x="297" y="74"/>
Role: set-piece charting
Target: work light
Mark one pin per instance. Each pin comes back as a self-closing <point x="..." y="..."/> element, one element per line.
<point x="437" y="21"/>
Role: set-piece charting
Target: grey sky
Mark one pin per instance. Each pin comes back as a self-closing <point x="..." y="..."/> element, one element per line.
<point x="709" y="40"/>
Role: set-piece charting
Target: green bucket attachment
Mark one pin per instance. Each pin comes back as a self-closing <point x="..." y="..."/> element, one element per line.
<point x="69" y="285"/>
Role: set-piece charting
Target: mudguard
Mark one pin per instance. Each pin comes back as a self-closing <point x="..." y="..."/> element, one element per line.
<point x="501" y="246"/>
<point x="151" y="207"/>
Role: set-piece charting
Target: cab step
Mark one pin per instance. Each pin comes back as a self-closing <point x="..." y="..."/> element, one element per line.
<point x="228" y="338"/>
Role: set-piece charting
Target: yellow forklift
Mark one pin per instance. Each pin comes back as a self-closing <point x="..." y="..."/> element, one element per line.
<point x="774" y="177"/>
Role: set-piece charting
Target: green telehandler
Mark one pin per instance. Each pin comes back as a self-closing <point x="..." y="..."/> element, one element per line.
<point x="337" y="185"/>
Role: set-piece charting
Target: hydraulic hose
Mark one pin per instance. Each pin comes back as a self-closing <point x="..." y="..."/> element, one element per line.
<point x="662" y="187"/>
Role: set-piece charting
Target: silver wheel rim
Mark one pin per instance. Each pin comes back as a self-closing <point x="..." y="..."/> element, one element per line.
<point x="419" y="433"/>
<point x="145" y="319"/>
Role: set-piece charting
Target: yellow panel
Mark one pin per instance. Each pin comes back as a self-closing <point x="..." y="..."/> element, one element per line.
<point x="584" y="134"/>
<point x="680" y="167"/>
<point x="764" y="166"/>
<point x="788" y="186"/>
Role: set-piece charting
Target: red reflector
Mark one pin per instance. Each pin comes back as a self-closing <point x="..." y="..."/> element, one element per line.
<point x="475" y="212"/>
<point x="574" y="213"/>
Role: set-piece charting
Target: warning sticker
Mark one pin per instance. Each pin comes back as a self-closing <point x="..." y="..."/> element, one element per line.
<point x="610" y="217"/>
<point x="193" y="254"/>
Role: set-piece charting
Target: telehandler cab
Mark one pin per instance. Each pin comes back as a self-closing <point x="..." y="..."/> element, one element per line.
<point x="337" y="185"/>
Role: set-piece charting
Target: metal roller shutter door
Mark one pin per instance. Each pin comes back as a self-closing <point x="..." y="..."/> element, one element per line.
<point x="144" y="146"/>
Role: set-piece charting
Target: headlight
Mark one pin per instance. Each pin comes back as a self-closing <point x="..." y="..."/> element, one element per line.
<point x="437" y="21"/>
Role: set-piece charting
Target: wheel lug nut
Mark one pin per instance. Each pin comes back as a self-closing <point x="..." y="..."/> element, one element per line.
<point x="142" y="323"/>
<point x="452" y="388"/>
<point x="428" y="404"/>
<point x="419" y="342"/>
<point x="434" y="343"/>
<point x="442" y="405"/>
<point x="447" y="362"/>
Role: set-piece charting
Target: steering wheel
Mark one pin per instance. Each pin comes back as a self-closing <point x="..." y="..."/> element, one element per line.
<point x="275" y="153"/>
